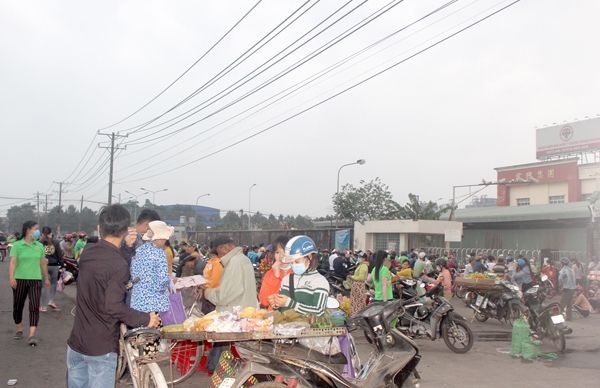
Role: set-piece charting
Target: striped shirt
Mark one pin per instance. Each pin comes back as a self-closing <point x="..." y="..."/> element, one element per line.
<point x="310" y="289"/>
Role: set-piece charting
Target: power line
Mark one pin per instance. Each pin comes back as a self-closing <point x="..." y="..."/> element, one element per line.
<point x="185" y="72"/>
<point x="294" y="87"/>
<point x="339" y="93"/>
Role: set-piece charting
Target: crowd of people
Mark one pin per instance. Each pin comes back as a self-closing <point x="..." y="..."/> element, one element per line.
<point x="127" y="273"/>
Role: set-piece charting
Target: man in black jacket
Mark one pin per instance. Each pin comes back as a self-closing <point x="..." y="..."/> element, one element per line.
<point x="101" y="288"/>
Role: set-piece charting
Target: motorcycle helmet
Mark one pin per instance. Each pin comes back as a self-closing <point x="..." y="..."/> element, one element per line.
<point x="298" y="247"/>
<point x="68" y="237"/>
<point x="422" y="312"/>
<point x="441" y="262"/>
<point x="564" y="260"/>
<point x="521" y="263"/>
<point x="579" y="288"/>
<point x="81" y="234"/>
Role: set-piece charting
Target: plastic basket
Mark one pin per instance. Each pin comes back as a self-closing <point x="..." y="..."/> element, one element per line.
<point x="184" y="355"/>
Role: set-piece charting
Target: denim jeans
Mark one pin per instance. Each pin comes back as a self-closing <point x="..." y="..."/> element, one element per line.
<point x="91" y="371"/>
<point x="48" y="295"/>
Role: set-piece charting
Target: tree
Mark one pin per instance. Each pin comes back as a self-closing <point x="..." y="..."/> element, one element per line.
<point x="370" y="201"/>
<point x="18" y="215"/>
<point x="415" y="210"/>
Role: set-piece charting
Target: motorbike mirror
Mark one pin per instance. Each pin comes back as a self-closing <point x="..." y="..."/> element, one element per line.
<point x="332" y="303"/>
<point x="544" y="278"/>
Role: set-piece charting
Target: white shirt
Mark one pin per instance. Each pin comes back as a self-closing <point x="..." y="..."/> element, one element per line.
<point x="468" y="269"/>
<point x="491" y="266"/>
<point x="593" y="266"/>
<point x="331" y="259"/>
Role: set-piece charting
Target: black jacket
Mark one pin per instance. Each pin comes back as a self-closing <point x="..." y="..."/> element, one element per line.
<point x="53" y="252"/>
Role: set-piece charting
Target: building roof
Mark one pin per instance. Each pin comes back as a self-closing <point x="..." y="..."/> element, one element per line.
<point x="556" y="211"/>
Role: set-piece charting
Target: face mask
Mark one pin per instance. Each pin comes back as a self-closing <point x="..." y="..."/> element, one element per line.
<point x="298" y="269"/>
<point x="287" y="266"/>
<point x="36" y="234"/>
<point x="359" y="261"/>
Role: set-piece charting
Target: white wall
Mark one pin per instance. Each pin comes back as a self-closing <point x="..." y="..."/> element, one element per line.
<point x="364" y="233"/>
<point x="539" y="193"/>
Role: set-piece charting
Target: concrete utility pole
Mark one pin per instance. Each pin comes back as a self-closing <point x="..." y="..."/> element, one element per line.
<point x="60" y="191"/>
<point x="80" y="211"/>
<point x="38" y="207"/>
<point x="112" y="148"/>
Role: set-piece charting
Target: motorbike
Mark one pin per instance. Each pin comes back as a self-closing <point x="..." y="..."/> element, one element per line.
<point x="501" y="305"/>
<point x="336" y="283"/>
<point x="546" y="286"/>
<point x="436" y="319"/>
<point x="3" y="250"/>
<point x="70" y="266"/>
<point x="391" y="357"/>
<point x="545" y="321"/>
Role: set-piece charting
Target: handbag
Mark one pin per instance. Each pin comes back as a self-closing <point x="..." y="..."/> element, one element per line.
<point x="176" y="312"/>
<point x="60" y="284"/>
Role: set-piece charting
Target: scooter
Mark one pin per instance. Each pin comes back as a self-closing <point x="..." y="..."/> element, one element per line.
<point x="501" y="305"/>
<point x="391" y="357"/>
<point x="546" y="286"/>
<point x="436" y="319"/>
<point x="545" y="321"/>
<point x="70" y="266"/>
<point x="3" y="250"/>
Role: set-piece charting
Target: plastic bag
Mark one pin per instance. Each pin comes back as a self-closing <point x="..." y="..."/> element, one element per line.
<point x="520" y="333"/>
<point x="60" y="285"/>
<point x="291" y="329"/>
<point x="324" y="345"/>
<point x="530" y="348"/>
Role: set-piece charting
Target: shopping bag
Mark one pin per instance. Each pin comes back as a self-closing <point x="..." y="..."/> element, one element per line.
<point x="520" y="333"/>
<point x="60" y="285"/>
<point x="176" y="313"/>
<point x="226" y="368"/>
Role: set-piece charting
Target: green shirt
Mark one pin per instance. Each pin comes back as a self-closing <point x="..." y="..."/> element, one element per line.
<point x="78" y="247"/>
<point x="419" y="267"/>
<point x="383" y="272"/>
<point x="403" y="259"/>
<point x="28" y="259"/>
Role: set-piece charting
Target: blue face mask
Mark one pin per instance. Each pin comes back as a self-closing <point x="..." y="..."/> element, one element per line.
<point x="36" y="234"/>
<point x="359" y="261"/>
<point x="284" y="267"/>
<point x="298" y="269"/>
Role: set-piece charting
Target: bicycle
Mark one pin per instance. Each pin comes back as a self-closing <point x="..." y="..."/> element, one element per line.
<point x="144" y="369"/>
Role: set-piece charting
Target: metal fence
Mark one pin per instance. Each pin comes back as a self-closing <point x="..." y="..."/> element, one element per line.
<point x="462" y="253"/>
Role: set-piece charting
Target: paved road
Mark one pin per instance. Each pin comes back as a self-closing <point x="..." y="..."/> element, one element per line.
<point x="486" y="364"/>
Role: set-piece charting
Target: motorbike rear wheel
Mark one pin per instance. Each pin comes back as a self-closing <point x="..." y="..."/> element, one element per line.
<point x="556" y="335"/>
<point x="550" y="292"/>
<point x="481" y="317"/>
<point x="457" y="333"/>
<point x="515" y="313"/>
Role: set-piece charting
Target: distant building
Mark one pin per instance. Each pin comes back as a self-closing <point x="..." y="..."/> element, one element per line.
<point x="482" y="201"/>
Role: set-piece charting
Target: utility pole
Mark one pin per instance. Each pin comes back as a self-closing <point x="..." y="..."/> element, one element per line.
<point x="38" y="207"/>
<point x="60" y="191"/>
<point x="112" y="148"/>
<point x="46" y="209"/>
<point x="80" y="211"/>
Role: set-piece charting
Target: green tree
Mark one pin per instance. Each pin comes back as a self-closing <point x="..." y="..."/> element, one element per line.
<point x="370" y="201"/>
<point x="415" y="210"/>
<point x="18" y="215"/>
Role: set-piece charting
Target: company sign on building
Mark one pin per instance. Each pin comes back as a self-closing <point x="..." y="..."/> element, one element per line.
<point x="570" y="138"/>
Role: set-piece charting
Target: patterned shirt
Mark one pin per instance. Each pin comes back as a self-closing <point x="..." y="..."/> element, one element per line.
<point x="151" y="293"/>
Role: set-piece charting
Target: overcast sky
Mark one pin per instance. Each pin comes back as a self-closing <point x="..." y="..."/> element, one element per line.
<point x="446" y="117"/>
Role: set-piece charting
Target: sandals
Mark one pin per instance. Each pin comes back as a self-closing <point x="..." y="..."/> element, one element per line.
<point x="18" y="335"/>
<point x="53" y="306"/>
<point x="32" y="341"/>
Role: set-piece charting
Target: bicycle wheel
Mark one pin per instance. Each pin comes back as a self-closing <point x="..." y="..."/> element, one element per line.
<point x="152" y="377"/>
<point x="183" y="362"/>
<point x="121" y="362"/>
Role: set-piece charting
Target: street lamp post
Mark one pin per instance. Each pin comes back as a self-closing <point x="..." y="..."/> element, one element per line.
<point x="200" y="196"/>
<point x="249" y="204"/>
<point x="136" y="202"/>
<point x="359" y="161"/>
<point x="154" y="195"/>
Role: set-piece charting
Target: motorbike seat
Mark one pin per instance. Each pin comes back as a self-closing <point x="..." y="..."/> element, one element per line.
<point x="337" y="359"/>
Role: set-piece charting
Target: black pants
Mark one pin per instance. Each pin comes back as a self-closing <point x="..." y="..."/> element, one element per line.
<point x="567" y="301"/>
<point x="33" y="290"/>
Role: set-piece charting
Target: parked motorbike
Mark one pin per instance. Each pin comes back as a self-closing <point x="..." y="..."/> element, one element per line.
<point x="436" y="319"/>
<point x="336" y="283"/>
<point x="3" y="250"/>
<point x="546" y="286"/>
<point x="545" y="321"/>
<point x="501" y="305"/>
<point x="71" y="266"/>
<point x="391" y="357"/>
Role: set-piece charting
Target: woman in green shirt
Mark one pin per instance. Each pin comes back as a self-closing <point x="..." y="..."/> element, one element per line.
<point x="382" y="278"/>
<point x="358" y="298"/>
<point x="27" y="263"/>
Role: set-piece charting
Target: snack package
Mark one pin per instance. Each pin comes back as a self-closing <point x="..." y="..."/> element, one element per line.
<point x="324" y="345"/>
<point x="291" y="329"/>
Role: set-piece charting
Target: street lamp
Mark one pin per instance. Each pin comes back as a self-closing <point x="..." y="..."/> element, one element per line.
<point x="359" y="161"/>
<point x="154" y="195"/>
<point x="136" y="202"/>
<point x="249" y="203"/>
<point x="200" y="196"/>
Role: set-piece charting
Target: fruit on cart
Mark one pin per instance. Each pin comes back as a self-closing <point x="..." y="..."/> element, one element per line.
<point x="170" y="328"/>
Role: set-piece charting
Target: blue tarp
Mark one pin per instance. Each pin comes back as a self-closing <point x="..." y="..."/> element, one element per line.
<point x="342" y="239"/>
